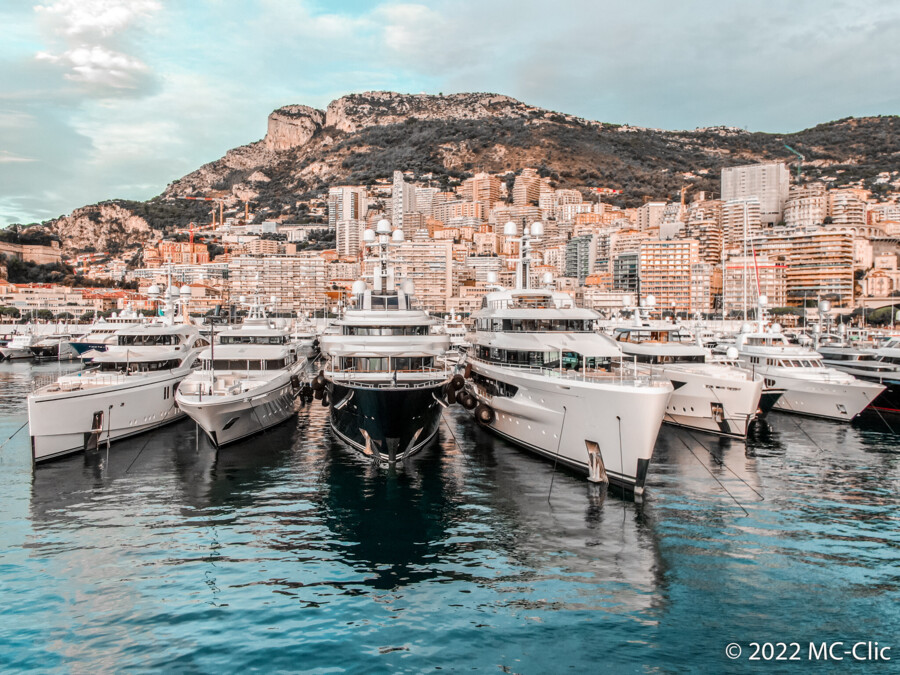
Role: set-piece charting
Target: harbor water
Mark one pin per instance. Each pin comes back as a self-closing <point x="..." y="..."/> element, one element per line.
<point x="289" y="552"/>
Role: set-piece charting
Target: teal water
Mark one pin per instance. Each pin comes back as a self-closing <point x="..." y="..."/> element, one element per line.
<point x="290" y="553"/>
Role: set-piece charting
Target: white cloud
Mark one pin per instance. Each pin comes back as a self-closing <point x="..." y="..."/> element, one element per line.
<point x="99" y="66"/>
<point x="77" y="18"/>
<point x="7" y="157"/>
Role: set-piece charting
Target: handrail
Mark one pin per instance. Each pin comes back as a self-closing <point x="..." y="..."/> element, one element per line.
<point x="637" y="373"/>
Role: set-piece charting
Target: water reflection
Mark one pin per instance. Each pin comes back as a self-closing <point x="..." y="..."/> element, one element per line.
<point x="290" y="548"/>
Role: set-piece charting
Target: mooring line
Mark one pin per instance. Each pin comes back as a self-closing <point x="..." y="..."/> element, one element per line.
<point x="722" y="463"/>
<point x="722" y="485"/>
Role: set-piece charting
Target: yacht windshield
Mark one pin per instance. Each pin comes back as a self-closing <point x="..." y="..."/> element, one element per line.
<point x="148" y="340"/>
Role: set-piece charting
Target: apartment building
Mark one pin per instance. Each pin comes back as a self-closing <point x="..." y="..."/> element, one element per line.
<point x="665" y="272"/>
<point x="299" y="281"/>
<point x="767" y="183"/>
<point x="806" y="206"/>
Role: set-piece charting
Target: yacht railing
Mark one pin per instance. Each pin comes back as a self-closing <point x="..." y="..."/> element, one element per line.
<point x="622" y="372"/>
<point x="389" y="379"/>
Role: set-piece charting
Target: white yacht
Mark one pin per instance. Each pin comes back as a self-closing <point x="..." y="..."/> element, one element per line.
<point x="247" y="383"/>
<point x="19" y="347"/>
<point x="708" y="396"/>
<point x="386" y="376"/>
<point x="455" y="329"/>
<point x="55" y="346"/>
<point x="538" y="375"/>
<point x="810" y="387"/>
<point x="129" y="389"/>
<point x="881" y="365"/>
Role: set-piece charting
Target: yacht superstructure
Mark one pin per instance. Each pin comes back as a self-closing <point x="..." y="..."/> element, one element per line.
<point x="386" y="374"/>
<point x="538" y="375"/>
<point x="881" y="365"/>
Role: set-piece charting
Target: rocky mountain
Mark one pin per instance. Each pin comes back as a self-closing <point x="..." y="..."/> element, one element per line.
<point x="361" y="138"/>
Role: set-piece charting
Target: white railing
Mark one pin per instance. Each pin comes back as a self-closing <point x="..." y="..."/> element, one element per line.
<point x="622" y="372"/>
<point x="390" y="379"/>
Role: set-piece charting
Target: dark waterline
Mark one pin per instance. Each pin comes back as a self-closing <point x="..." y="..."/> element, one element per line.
<point x="289" y="552"/>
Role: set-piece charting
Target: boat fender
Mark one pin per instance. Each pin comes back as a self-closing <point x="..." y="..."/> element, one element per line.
<point x="457" y="382"/>
<point x="484" y="414"/>
<point x="468" y="401"/>
<point x="319" y="381"/>
<point x="325" y="399"/>
<point x="451" y="396"/>
<point x="318" y="394"/>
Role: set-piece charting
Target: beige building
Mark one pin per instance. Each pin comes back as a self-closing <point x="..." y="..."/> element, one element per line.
<point x="299" y="282"/>
<point x="742" y="273"/>
<point x="665" y="272"/>
<point x="806" y="206"/>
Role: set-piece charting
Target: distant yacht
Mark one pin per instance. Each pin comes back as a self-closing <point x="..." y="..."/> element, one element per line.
<point x="713" y="397"/>
<point x="386" y="377"/>
<point x="129" y="389"/>
<point x="810" y="387"/>
<point x="101" y="333"/>
<point x="538" y="375"/>
<point x="881" y="366"/>
<point x="247" y="383"/>
<point x="19" y="347"/>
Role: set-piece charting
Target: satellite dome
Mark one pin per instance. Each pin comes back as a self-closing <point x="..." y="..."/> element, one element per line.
<point x="359" y="287"/>
<point x="369" y="236"/>
<point x="383" y="226"/>
<point x="397" y="236"/>
<point x="537" y="228"/>
<point x="509" y="229"/>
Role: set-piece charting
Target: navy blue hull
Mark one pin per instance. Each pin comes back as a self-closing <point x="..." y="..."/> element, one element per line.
<point x="386" y="424"/>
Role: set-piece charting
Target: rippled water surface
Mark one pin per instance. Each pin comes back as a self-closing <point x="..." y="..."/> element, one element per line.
<point x="288" y="552"/>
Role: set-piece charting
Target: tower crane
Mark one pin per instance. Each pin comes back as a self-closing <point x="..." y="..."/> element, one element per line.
<point x="799" y="163"/>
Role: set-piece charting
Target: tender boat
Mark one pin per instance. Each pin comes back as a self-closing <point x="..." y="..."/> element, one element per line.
<point x="247" y="383"/>
<point x="708" y="396"/>
<point x="128" y="389"/>
<point x="539" y="376"/>
<point x="386" y="377"/>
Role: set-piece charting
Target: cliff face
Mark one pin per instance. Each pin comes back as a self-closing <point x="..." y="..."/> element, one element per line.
<point x="360" y="138"/>
<point x="103" y="227"/>
<point x="292" y="127"/>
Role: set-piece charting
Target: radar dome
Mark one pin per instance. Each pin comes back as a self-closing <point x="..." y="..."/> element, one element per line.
<point x="509" y="229"/>
<point x="383" y="227"/>
<point x="359" y="287"/>
<point x="732" y="353"/>
<point x="537" y="228"/>
<point x="369" y="236"/>
<point x="397" y="236"/>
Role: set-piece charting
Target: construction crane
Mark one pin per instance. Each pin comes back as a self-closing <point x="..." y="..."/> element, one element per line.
<point x="799" y="163"/>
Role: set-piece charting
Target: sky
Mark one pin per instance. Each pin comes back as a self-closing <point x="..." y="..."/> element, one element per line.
<point x="103" y="99"/>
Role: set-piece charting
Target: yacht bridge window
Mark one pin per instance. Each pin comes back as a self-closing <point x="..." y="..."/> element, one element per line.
<point x="138" y="366"/>
<point x="383" y="364"/>
<point x="535" y="325"/>
<point x="244" y="364"/>
<point x="148" y="340"/>
<point x="253" y="339"/>
<point x="536" y="359"/>
<point x="385" y="330"/>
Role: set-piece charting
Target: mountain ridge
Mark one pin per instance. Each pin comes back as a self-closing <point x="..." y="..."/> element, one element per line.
<point x="364" y="137"/>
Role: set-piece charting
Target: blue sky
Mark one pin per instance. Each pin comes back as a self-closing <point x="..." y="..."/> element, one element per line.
<point x="108" y="99"/>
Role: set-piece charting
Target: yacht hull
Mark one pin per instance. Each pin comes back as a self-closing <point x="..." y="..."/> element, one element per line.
<point x="66" y="422"/>
<point x="606" y="430"/>
<point x="386" y="424"/>
<point x="712" y="404"/>
<point x="227" y="419"/>
<point x="12" y="353"/>
<point x="889" y="400"/>
<point x="832" y="401"/>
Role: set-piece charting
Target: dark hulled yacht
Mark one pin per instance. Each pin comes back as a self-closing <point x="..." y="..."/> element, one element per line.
<point x="386" y="376"/>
